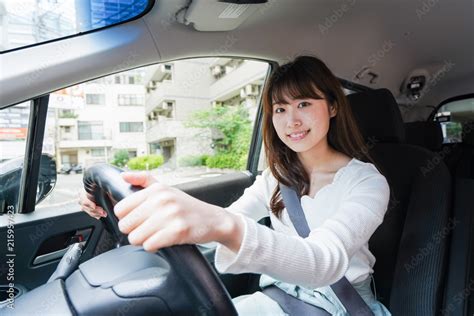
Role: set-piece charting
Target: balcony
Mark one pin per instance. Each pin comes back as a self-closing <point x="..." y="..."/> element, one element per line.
<point x="157" y="96"/>
<point x="64" y="144"/>
<point x="158" y="73"/>
<point x="166" y="129"/>
<point x="229" y="85"/>
<point x="71" y="140"/>
<point x="67" y="121"/>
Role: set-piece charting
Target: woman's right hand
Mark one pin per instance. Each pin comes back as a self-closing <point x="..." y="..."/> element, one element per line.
<point x="87" y="205"/>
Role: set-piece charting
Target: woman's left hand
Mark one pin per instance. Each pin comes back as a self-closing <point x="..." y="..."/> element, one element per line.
<point x="160" y="216"/>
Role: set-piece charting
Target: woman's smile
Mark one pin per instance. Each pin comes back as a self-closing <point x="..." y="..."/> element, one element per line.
<point x="297" y="136"/>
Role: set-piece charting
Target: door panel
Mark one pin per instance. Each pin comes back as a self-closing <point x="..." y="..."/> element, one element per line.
<point x="30" y="236"/>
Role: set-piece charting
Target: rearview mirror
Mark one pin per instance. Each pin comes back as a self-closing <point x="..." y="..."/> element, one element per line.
<point x="10" y="177"/>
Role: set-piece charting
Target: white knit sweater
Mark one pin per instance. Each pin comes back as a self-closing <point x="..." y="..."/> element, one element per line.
<point x="342" y="216"/>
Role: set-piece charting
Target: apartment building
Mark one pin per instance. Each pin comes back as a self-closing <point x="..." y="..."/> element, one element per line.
<point x="109" y="117"/>
<point x="176" y="89"/>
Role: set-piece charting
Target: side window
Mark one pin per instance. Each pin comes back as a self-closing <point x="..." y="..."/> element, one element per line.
<point x="183" y="121"/>
<point x="457" y="120"/>
<point x="13" y="134"/>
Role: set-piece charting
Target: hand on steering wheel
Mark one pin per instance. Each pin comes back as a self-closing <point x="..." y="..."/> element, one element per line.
<point x="161" y="216"/>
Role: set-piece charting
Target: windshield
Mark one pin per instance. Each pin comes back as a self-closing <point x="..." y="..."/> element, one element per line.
<point x="28" y="22"/>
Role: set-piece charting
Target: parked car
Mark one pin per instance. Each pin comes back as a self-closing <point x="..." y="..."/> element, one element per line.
<point x="408" y="70"/>
<point x="68" y="169"/>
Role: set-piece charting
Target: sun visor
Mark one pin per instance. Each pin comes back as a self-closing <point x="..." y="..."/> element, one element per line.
<point x="215" y="15"/>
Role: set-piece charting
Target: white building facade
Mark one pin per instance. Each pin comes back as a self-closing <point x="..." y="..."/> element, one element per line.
<point x="177" y="89"/>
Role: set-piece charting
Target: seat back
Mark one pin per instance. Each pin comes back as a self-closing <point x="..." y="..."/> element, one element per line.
<point x="410" y="246"/>
<point x="424" y="134"/>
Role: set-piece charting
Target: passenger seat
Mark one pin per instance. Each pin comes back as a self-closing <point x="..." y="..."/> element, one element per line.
<point x="411" y="265"/>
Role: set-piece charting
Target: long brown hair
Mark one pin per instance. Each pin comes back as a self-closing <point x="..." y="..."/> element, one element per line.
<point x="306" y="77"/>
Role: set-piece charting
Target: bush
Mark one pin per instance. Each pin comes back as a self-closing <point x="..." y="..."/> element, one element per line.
<point x="120" y="158"/>
<point x="224" y="161"/>
<point x="147" y="162"/>
<point x="191" y="161"/>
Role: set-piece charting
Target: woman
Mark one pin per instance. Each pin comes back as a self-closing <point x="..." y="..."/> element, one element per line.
<point x="312" y="144"/>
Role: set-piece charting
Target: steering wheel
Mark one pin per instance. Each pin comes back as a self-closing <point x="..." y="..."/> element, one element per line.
<point x="190" y="273"/>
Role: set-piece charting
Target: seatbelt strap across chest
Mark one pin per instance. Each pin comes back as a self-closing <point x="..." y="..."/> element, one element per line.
<point x="343" y="289"/>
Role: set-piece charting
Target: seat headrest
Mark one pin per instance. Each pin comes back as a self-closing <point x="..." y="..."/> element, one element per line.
<point x="378" y="115"/>
<point x="425" y="134"/>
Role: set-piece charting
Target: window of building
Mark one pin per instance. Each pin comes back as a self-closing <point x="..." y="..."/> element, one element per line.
<point x="131" y="78"/>
<point x="67" y="113"/>
<point x="131" y="127"/>
<point x="90" y="130"/>
<point x="97" y="152"/>
<point x="95" y="99"/>
<point x="131" y="99"/>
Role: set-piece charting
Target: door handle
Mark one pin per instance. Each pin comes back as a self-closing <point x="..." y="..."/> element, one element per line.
<point x="54" y="255"/>
<point x="79" y="236"/>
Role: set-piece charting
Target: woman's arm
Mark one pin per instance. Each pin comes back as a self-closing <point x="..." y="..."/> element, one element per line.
<point x="160" y="216"/>
<point x="323" y="257"/>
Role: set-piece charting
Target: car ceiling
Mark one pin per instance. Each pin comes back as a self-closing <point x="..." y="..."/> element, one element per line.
<point x="393" y="38"/>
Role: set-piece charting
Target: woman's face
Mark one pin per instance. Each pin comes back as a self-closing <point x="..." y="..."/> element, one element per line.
<point x="302" y="124"/>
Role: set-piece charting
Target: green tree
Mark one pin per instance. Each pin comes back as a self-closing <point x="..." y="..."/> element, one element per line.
<point x="234" y="126"/>
<point x="120" y="158"/>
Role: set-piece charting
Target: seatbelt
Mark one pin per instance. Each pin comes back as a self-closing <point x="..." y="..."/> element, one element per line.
<point x="345" y="292"/>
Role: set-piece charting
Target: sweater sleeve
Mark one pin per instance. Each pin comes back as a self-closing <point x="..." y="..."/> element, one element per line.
<point x="323" y="257"/>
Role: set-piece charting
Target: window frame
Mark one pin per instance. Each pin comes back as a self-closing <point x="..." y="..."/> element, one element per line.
<point x="96" y="94"/>
<point x="33" y="151"/>
<point x="90" y="124"/>
<point x="129" y="124"/>
<point x="431" y="117"/>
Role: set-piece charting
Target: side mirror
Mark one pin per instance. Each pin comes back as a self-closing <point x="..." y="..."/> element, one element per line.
<point x="46" y="178"/>
<point x="10" y="177"/>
